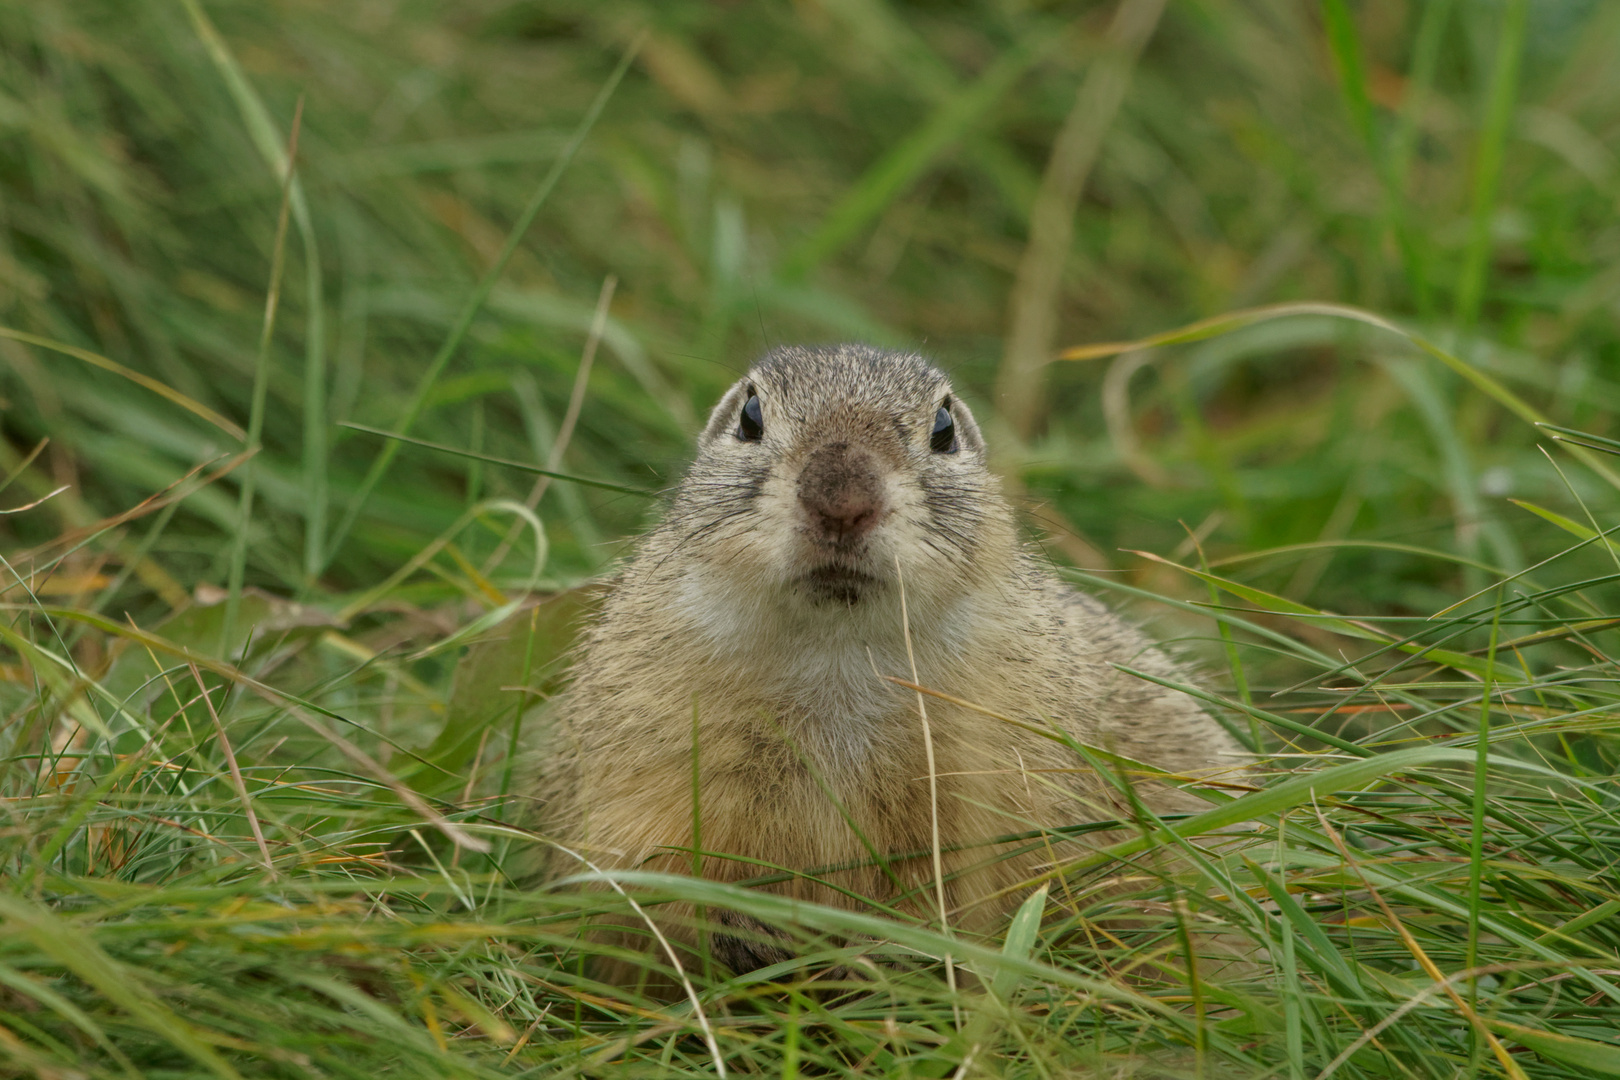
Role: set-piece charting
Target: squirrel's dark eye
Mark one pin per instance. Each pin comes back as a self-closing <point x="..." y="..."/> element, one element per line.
<point x="751" y="422"/>
<point x="943" y="439"/>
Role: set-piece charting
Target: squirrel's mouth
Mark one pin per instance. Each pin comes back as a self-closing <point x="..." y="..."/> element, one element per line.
<point x="832" y="583"/>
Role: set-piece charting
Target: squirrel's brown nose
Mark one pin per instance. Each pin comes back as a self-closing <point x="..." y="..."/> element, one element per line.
<point x="841" y="492"/>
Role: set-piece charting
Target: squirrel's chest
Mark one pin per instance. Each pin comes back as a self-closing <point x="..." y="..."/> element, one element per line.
<point x="837" y="746"/>
<point x="813" y="790"/>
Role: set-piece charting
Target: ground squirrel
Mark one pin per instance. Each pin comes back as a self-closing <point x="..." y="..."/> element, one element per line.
<point x="769" y="600"/>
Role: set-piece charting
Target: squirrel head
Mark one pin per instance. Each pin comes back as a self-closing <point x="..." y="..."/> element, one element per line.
<point x="824" y="469"/>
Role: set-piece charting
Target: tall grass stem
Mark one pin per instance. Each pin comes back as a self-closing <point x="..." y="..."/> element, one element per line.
<point x="261" y="384"/>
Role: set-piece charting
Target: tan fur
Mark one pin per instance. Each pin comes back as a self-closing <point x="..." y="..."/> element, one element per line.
<point x="716" y="607"/>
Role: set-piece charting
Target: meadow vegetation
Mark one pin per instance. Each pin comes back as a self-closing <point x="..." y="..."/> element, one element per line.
<point x="263" y="667"/>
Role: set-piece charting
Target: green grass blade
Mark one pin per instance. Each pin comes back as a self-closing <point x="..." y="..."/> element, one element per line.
<point x="1204" y="329"/>
<point x="1476" y="837"/>
<point x="279" y="155"/>
<point x="1293" y="792"/>
<point x="1582" y="438"/>
<point x="1019" y="943"/>
<point x="786" y="911"/>
<point x="261" y="389"/>
<point x="1600" y="1058"/>
<point x="34" y="988"/>
<point x="74" y="949"/>
<point x="97" y="360"/>
<point x="475" y="302"/>
<point x="886" y="178"/>
<point x="1574" y="528"/>
<point x="1503" y="92"/>
<point x="522" y="466"/>
<point x="1274" y="604"/>
<point x="1403" y="140"/>
<point x="1345" y="44"/>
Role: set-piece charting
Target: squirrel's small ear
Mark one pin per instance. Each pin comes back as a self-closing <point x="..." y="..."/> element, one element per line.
<point x="967" y="430"/>
<point x="723" y="420"/>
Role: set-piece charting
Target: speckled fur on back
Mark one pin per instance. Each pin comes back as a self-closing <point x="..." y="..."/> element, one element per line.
<point x="769" y="598"/>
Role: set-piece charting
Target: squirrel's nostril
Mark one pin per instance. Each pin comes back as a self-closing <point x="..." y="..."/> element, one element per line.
<point x="841" y="492"/>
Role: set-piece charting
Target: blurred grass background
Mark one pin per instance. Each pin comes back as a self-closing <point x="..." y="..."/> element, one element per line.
<point x="989" y="181"/>
<point x="812" y="171"/>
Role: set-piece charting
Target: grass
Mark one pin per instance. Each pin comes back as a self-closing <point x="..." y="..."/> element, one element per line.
<point x="262" y="670"/>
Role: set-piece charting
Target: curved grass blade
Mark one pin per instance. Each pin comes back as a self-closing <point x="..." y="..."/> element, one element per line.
<point x="1218" y="325"/>
<point x="1361" y="545"/>
<point x="788" y="911"/>
<point x="97" y="360"/>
